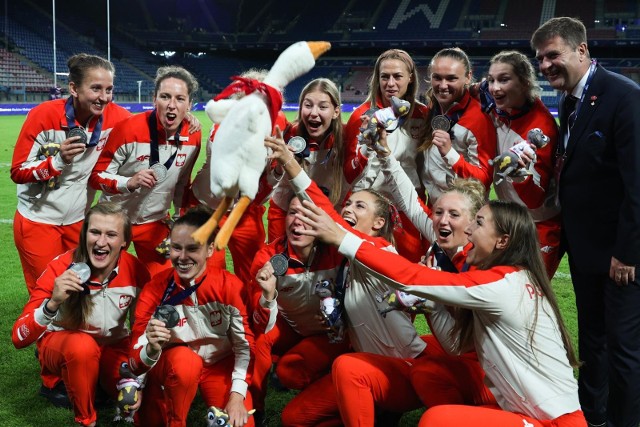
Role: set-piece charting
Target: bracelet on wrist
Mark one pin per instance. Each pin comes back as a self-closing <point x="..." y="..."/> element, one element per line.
<point x="48" y="312"/>
<point x="288" y="161"/>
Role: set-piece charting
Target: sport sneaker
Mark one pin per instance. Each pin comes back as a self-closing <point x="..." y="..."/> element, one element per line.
<point x="57" y="396"/>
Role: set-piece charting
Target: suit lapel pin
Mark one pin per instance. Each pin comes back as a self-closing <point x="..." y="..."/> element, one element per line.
<point x="593" y="99"/>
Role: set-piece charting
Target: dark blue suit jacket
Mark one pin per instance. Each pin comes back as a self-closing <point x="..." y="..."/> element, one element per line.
<point x="600" y="181"/>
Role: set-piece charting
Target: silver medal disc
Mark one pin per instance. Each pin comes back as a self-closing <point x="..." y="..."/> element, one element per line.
<point x="280" y="264"/>
<point x="78" y="132"/>
<point x="167" y="314"/>
<point x="298" y="144"/>
<point x="82" y="270"/>
<point x="160" y="171"/>
<point x="441" y="122"/>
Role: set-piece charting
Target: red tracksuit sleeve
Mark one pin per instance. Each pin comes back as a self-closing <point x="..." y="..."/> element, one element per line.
<point x="240" y="332"/>
<point x="146" y="305"/>
<point x="534" y="192"/>
<point x="261" y="317"/>
<point x="484" y="133"/>
<point x="104" y="172"/>
<point x="26" y="329"/>
<point x="354" y="160"/>
<point x="25" y="165"/>
<point x="182" y="189"/>
<point x="322" y="201"/>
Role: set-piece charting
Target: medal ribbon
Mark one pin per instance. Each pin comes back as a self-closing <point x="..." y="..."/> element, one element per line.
<point x="71" y="122"/>
<point x="155" y="152"/>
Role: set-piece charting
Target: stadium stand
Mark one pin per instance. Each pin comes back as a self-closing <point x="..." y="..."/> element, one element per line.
<point x="216" y="40"/>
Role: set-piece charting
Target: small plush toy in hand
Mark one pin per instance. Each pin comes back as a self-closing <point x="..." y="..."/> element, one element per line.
<point x="219" y="418"/>
<point x="331" y="308"/>
<point x="403" y="301"/>
<point x="506" y="164"/>
<point x="128" y="395"/>
<point x="389" y="118"/>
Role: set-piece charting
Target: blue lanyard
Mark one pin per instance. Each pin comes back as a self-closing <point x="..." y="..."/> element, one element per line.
<point x="592" y="71"/>
<point x="180" y="296"/>
<point x="71" y="122"/>
<point x="154" y="156"/>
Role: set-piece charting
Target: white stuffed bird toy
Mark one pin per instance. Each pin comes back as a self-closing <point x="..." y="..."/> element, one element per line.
<point x="239" y="156"/>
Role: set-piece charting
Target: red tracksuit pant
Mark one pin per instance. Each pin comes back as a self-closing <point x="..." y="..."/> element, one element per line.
<point x="39" y="243"/>
<point x="81" y="362"/>
<point x="173" y="382"/>
<point x="302" y="359"/>
<point x="456" y="415"/>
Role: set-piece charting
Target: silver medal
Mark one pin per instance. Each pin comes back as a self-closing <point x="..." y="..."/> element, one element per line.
<point x="167" y="314"/>
<point x="82" y="270"/>
<point x="441" y="122"/>
<point x="298" y="144"/>
<point x="78" y="132"/>
<point x="160" y="171"/>
<point x="280" y="264"/>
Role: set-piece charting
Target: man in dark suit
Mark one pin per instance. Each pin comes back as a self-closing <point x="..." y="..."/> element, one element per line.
<point x="598" y="169"/>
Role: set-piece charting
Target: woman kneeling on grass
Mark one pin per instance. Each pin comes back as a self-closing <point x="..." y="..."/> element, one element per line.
<point x="209" y="347"/>
<point x="79" y="325"/>
<point x="516" y="327"/>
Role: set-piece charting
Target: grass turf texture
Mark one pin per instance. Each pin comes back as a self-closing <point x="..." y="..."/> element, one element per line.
<point x="21" y="406"/>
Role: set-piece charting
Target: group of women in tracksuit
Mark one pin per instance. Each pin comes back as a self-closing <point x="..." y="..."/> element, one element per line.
<point x="354" y="230"/>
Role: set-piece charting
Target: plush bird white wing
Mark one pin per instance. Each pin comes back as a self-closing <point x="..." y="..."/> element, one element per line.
<point x="238" y="155"/>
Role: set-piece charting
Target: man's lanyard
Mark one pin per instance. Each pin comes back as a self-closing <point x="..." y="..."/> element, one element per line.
<point x="592" y="71"/>
<point x="154" y="156"/>
<point x="70" y="114"/>
<point x="180" y="296"/>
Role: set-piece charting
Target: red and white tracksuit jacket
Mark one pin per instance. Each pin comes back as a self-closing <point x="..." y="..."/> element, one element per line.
<point x="527" y="376"/>
<point x="213" y="323"/>
<point x="46" y="124"/>
<point x="537" y="191"/>
<point x="289" y="326"/>
<point x="127" y="152"/>
<point x="296" y="300"/>
<point x="472" y="146"/>
<point x="107" y="323"/>
<point x="361" y="168"/>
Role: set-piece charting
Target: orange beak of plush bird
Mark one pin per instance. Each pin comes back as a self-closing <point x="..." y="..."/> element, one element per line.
<point x="318" y="48"/>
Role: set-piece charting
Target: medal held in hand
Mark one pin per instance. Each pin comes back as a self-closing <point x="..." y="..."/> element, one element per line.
<point x="167" y="314"/>
<point x="440" y="122"/>
<point x="78" y="132"/>
<point x="298" y="144"/>
<point x="82" y="270"/>
<point x="280" y="264"/>
<point x="160" y="171"/>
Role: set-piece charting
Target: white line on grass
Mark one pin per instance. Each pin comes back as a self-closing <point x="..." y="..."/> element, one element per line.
<point x="561" y="275"/>
<point x="6" y="221"/>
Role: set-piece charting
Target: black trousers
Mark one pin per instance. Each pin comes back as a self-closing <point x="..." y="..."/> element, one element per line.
<point x="609" y="346"/>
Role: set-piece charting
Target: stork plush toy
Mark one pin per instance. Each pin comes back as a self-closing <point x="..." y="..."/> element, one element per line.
<point x="506" y="164"/>
<point x="239" y="156"/>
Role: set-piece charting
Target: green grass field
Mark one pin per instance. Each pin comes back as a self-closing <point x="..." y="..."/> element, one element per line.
<point x="21" y="405"/>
